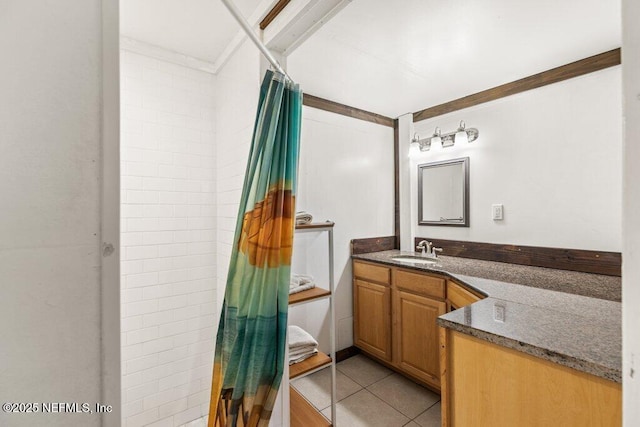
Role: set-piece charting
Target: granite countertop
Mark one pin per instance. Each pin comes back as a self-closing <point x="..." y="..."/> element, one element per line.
<point x="570" y="318"/>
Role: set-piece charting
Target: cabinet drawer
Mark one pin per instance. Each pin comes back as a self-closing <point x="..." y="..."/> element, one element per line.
<point x="420" y="283"/>
<point x="375" y="273"/>
<point x="460" y="297"/>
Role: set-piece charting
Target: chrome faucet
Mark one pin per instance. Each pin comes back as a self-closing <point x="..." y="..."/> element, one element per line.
<point x="427" y="250"/>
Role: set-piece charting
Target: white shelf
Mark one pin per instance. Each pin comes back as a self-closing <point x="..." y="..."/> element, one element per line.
<point x="321" y="360"/>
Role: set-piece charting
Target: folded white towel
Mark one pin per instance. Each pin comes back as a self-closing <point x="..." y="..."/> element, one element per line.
<point x="299" y="351"/>
<point x="298" y="337"/>
<point x="303" y="357"/>
<point x="303" y="217"/>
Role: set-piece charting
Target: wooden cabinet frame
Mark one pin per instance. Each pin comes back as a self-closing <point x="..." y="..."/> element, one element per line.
<point x="401" y="305"/>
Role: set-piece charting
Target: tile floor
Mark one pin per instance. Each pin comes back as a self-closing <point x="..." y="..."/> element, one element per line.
<point x="371" y="395"/>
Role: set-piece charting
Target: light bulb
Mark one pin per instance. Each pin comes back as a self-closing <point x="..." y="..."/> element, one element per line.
<point x="436" y="139"/>
<point x="461" y="134"/>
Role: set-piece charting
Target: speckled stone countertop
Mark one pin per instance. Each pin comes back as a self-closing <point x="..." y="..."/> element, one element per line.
<point x="572" y="282"/>
<point x="546" y="312"/>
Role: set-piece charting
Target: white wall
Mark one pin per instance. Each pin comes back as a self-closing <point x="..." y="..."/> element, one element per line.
<point x="50" y="187"/>
<point x="631" y="219"/>
<point x="346" y="176"/>
<point x="551" y="156"/>
<point x="168" y="240"/>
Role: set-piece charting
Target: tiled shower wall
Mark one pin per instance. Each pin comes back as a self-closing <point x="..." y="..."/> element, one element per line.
<point x="168" y="240"/>
<point x="239" y="90"/>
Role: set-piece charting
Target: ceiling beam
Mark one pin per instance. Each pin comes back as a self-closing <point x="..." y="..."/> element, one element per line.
<point x="298" y="22"/>
<point x="275" y="11"/>
<point x="555" y="75"/>
<point x="346" y="110"/>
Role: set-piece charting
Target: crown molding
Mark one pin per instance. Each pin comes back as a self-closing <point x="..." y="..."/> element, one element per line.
<point x="157" y="52"/>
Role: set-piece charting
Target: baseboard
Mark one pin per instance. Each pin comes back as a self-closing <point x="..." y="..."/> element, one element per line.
<point x="346" y="353"/>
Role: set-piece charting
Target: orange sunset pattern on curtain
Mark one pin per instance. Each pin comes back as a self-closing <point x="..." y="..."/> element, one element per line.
<point x="267" y="230"/>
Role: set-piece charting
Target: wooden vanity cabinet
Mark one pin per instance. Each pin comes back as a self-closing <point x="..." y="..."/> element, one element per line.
<point x="459" y="296"/>
<point x="485" y="384"/>
<point x="395" y="312"/>
<point x="372" y="309"/>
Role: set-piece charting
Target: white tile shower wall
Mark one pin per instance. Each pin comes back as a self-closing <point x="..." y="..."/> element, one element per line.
<point x="238" y="91"/>
<point x="168" y="240"/>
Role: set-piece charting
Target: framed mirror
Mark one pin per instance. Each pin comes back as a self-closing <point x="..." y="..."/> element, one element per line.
<point x="443" y="193"/>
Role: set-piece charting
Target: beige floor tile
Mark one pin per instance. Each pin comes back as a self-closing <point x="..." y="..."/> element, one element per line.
<point x="363" y="370"/>
<point x="404" y="395"/>
<point x="363" y="409"/>
<point x="316" y="387"/>
<point x="412" y="424"/>
<point x="430" y="417"/>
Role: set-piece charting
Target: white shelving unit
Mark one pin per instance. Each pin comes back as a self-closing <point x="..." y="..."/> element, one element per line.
<point x="321" y="360"/>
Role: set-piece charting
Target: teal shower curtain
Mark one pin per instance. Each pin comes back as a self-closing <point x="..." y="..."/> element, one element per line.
<point x="250" y="344"/>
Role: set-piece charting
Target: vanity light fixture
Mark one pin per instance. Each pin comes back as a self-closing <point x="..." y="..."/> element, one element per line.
<point x="424" y="144"/>
<point x="460" y="135"/>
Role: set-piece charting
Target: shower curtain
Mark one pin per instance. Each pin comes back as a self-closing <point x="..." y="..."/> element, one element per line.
<point x="250" y="344"/>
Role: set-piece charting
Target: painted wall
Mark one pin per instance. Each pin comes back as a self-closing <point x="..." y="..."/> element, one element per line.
<point x="551" y="156"/>
<point x="346" y="176"/>
<point x="631" y="219"/>
<point x="50" y="187"/>
<point x="168" y="240"/>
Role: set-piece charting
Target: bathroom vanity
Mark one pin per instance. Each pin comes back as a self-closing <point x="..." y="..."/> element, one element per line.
<point x="501" y="354"/>
<point x="395" y="313"/>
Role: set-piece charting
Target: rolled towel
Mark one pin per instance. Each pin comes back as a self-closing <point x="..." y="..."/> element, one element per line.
<point x="303" y="217"/>
<point x="300" y="282"/>
<point x="298" y="337"/>
<point x="301" y="288"/>
<point x="300" y="279"/>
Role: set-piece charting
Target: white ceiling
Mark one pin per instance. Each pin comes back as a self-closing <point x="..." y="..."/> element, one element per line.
<point x="198" y="28"/>
<point x="394" y="57"/>
<point x="402" y="56"/>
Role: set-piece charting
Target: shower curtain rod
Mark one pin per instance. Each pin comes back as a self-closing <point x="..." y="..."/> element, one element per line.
<point x="247" y="29"/>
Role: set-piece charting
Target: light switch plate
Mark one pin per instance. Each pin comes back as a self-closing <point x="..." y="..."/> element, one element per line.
<point x="497" y="212"/>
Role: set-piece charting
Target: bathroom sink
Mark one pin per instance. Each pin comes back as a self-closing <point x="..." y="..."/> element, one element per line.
<point x="415" y="260"/>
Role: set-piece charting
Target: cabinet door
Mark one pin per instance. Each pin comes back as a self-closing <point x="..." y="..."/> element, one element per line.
<point x="416" y="335"/>
<point x="372" y="318"/>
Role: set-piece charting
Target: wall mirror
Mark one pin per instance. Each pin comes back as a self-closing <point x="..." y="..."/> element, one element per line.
<point x="443" y="193"/>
